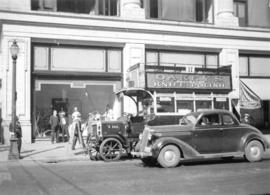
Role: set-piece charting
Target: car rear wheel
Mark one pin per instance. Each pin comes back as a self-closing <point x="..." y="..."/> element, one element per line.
<point x="254" y="151"/>
<point x="149" y="161"/>
<point x="169" y="156"/>
<point x="110" y="149"/>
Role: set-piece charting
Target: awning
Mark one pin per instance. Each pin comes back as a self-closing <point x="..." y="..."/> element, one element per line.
<point x="259" y="86"/>
<point x="248" y="98"/>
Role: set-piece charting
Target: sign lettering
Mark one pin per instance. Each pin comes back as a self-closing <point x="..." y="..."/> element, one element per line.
<point x="188" y="81"/>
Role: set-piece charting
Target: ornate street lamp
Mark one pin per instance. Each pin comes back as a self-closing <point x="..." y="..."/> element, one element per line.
<point x="13" y="151"/>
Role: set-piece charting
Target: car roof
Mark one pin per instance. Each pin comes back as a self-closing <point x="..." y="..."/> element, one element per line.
<point x="212" y="111"/>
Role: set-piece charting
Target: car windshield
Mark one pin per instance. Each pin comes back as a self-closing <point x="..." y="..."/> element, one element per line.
<point x="189" y="119"/>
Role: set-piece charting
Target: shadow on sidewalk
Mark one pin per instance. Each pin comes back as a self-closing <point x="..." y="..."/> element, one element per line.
<point x="38" y="152"/>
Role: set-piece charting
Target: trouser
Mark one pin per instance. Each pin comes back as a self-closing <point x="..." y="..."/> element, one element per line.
<point x="77" y="136"/>
<point x="19" y="144"/>
<point x="54" y="135"/>
<point x="64" y="132"/>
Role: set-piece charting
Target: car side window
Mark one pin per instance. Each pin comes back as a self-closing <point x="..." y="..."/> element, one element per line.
<point x="209" y="120"/>
<point x="227" y="120"/>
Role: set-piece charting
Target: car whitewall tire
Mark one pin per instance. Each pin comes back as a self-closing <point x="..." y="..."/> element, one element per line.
<point x="169" y="156"/>
<point x="254" y="151"/>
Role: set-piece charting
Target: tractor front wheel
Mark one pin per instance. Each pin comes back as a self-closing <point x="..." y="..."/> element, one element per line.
<point x="111" y="149"/>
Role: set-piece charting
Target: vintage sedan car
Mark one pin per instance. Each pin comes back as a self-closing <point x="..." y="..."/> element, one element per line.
<point x="204" y="134"/>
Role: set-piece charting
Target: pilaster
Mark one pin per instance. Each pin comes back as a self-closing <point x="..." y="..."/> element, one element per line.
<point x="132" y="54"/>
<point x="231" y="57"/>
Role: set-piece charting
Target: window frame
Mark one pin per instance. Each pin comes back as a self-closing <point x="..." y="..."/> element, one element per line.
<point x="236" y="3"/>
<point x="159" y="11"/>
<point x="49" y="47"/>
<point x="205" y="54"/>
<point x="249" y="75"/>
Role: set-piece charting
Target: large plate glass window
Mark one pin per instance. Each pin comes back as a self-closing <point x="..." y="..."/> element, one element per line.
<point x="203" y="104"/>
<point x="165" y="104"/>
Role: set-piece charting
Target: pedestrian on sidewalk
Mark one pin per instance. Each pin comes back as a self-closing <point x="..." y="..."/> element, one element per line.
<point x="76" y="125"/>
<point x="63" y="125"/>
<point x="54" y="122"/>
<point x="17" y="133"/>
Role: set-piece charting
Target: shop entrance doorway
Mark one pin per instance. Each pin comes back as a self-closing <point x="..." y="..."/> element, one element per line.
<point x="87" y="96"/>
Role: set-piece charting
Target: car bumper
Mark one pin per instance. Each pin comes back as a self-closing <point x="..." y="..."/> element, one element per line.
<point x="146" y="153"/>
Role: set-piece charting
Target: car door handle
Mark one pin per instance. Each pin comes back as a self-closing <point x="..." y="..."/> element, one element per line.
<point x="221" y="129"/>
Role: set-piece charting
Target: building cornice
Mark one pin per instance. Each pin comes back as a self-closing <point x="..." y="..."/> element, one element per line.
<point x="118" y="24"/>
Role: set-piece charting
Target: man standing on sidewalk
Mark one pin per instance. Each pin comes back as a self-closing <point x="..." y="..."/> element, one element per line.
<point x="76" y="125"/>
<point x="54" y="126"/>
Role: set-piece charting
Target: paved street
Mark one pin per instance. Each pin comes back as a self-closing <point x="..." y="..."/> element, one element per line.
<point x="131" y="177"/>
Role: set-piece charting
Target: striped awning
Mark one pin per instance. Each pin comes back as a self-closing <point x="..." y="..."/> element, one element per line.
<point x="248" y="98"/>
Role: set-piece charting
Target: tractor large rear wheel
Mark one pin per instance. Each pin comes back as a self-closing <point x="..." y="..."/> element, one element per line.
<point x="111" y="149"/>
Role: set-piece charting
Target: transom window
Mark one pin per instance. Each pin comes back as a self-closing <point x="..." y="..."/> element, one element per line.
<point x="199" y="59"/>
<point x="254" y="66"/>
<point x="87" y="59"/>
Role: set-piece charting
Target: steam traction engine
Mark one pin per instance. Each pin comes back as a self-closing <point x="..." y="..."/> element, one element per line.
<point x="112" y="139"/>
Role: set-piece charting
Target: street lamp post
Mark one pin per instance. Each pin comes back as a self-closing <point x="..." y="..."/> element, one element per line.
<point x="13" y="151"/>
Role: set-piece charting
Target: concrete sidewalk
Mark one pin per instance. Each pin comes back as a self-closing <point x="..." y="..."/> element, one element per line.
<point x="47" y="152"/>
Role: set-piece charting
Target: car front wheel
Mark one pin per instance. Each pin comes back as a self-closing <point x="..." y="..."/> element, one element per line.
<point x="169" y="156"/>
<point x="254" y="151"/>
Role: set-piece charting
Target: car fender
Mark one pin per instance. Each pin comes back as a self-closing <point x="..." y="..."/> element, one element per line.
<point x="252" y="136"/>
<point x="186" y="150"/>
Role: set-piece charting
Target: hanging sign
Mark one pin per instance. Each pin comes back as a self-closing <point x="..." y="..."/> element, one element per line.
<point x="188" y="81"/>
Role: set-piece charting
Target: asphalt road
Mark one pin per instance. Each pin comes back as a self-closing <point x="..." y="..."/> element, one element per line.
<point x="132" y="177"/>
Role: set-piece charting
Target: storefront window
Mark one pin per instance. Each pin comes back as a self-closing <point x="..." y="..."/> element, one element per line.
<point x="184" y="106"/>
<point x="165" y="104"/>
<point x="66" y="95"/>
<point x="203" y="104"/>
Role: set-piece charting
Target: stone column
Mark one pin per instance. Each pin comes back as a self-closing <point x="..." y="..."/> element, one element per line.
<point x="133" y="54"/>
<point x="23" y="89"/>
<point x="230" y="57"/>
<point x="132" y="9"/>
<point x="224" y="13"/>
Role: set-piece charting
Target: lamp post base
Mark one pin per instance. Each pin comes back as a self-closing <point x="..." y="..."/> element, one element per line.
<point x="13" y="150"/>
